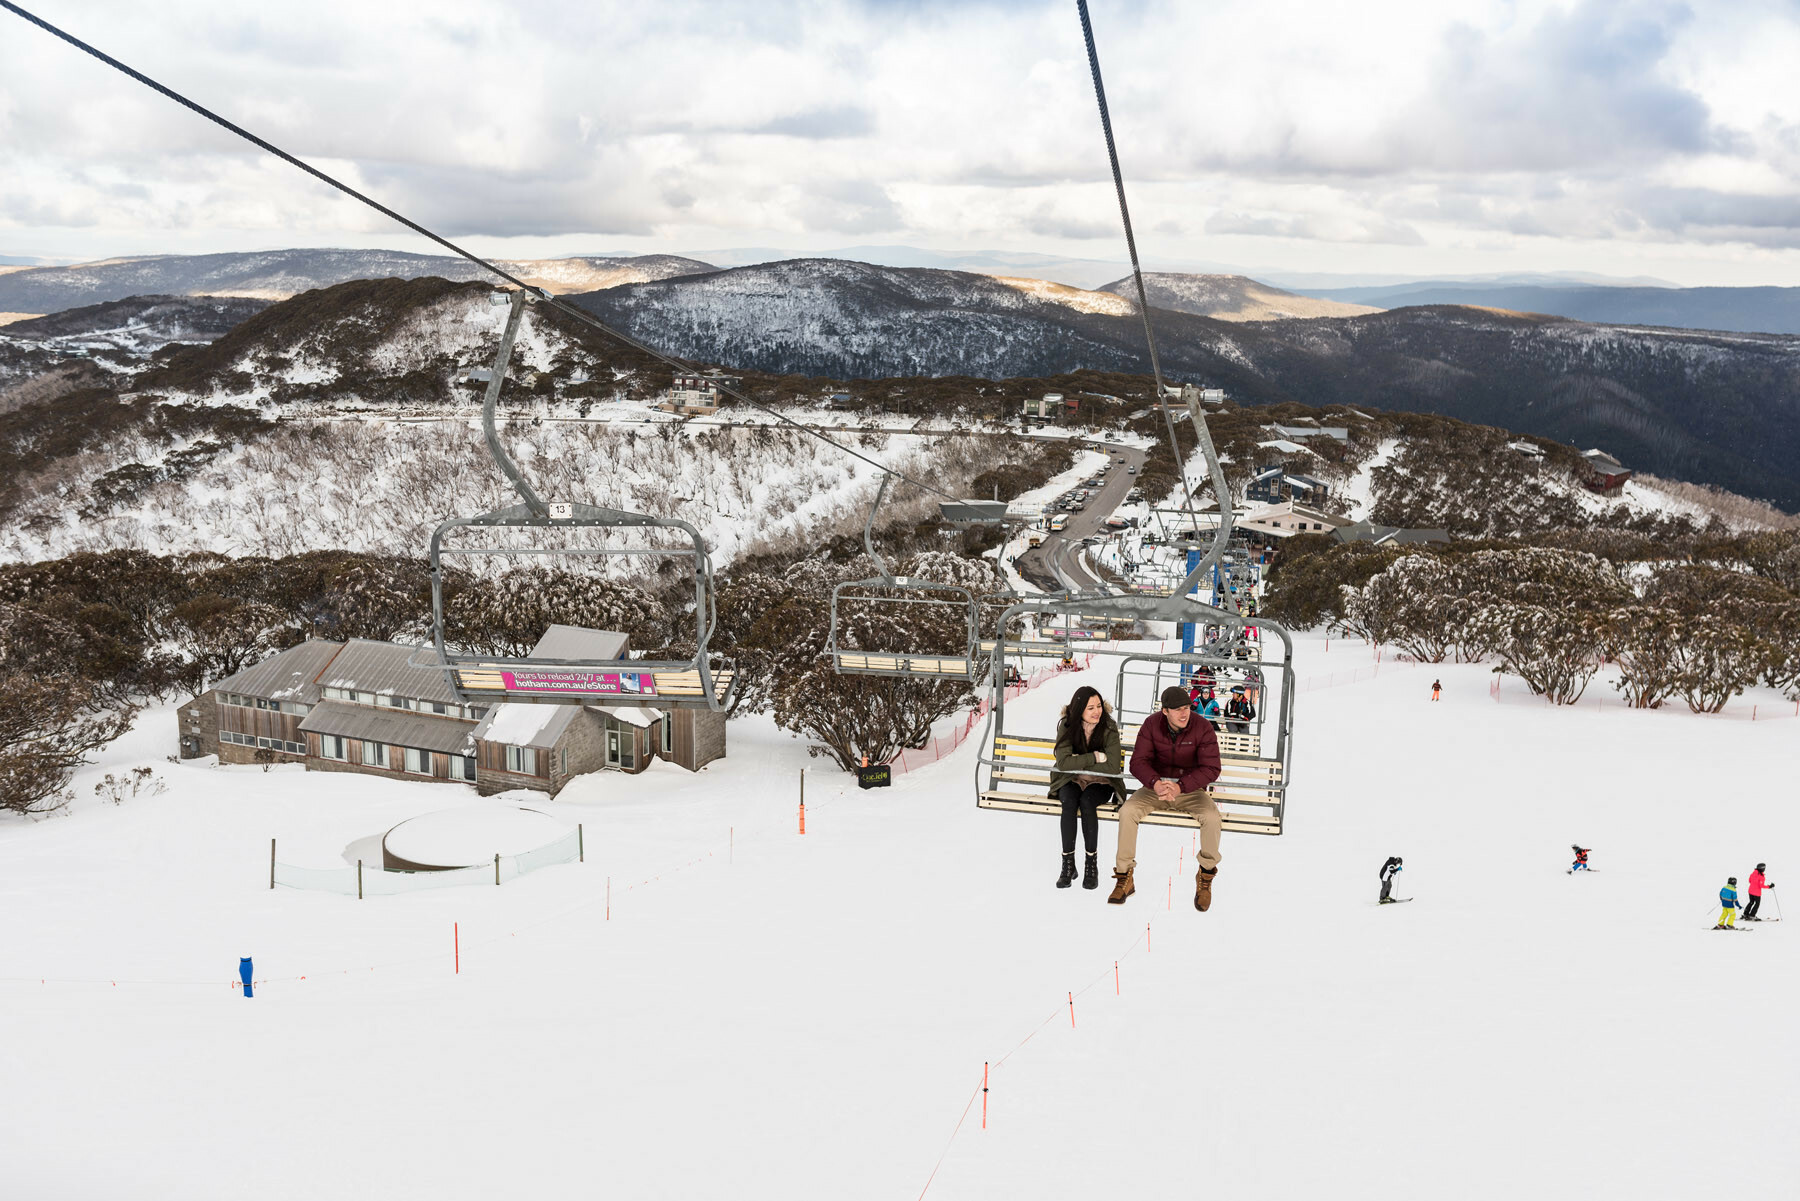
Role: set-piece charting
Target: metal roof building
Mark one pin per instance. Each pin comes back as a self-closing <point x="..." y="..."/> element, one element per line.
<point x="385" y="669"/>
<point x="287" y="676"/>
<point x="578" y="642"/>
<point x="394" y="727"/>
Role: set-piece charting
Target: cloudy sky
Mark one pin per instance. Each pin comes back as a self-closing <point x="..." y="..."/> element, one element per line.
<point x="1626" y="138"/>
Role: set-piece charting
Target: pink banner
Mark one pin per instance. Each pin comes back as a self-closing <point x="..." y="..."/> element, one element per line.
<point x="580" y="683"/>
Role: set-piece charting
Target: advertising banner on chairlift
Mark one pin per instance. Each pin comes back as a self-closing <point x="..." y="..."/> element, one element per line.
<point x="580" y="683"/>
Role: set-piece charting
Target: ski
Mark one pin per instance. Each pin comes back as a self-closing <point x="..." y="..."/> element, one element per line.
<point x="1395" y="901"/>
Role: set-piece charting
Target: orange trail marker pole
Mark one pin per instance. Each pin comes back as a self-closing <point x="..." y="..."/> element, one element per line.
<point x="1115" y="977"/>
<point x="984" y="1092"/>
<point x="1071" y="1011"/>
<point x="1171" y="902"/>
<point x="1146" y="936"/>
<point x="609" y="898"/>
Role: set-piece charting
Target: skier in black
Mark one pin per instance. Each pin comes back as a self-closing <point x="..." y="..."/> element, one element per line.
<point x="1388" y="871"/>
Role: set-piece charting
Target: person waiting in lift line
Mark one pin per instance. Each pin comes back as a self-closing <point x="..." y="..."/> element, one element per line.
<point x="1175" y="758"/>
<point x="1756" y="885"/>
<point x="1087" y="742"/>
<point x="1389" y="870"/>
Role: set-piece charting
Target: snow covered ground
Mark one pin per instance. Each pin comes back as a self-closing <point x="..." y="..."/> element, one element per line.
<point x="758" y="1013"/>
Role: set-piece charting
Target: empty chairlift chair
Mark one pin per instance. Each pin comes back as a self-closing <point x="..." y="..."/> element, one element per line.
<point x="695" y="682"/>
<point x="890" y="625"/>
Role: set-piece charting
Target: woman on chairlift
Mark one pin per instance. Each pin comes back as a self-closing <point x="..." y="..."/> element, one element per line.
<point x="1087" y="742"/>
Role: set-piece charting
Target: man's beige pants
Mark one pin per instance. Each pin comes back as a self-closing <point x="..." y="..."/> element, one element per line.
<point x="1144" y="800"/>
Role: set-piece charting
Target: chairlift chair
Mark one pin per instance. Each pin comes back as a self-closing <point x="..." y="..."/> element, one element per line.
<point x="1013" y="769"/>
<point x="959" y="606"/>
<point x="683" y="683"/>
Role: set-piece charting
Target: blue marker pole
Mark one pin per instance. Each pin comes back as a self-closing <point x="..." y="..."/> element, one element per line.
<point x="1187" y="627"/>
<point x="245" y="974"/>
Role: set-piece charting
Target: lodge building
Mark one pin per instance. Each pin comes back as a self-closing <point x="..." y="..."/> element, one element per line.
<point x="365" y="706"/>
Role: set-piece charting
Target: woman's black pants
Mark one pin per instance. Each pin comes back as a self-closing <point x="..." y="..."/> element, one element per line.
<point x="1085" y="801"/>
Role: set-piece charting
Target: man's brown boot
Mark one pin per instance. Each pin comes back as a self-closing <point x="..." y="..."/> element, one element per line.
<point x="1203" y="889"/>
<point x="1122" y="888"/>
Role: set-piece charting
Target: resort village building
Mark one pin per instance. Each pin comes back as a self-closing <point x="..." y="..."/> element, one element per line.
<point x="365" y="706"/>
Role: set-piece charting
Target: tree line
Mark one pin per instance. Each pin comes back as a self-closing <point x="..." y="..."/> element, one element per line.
<point x="1699" y="620"/>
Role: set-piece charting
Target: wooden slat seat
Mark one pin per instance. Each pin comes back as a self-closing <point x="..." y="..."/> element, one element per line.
<point x="1019" y="780"/>
<point x="904" y="665"/>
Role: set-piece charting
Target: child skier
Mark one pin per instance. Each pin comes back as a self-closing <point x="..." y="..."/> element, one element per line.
<point x="1727" y="905"/>
<point x="1580" y="864"/>
<point x="1757" y="884"/>
<point x="1436" y="688"/>
<point x="1388" y="871"/>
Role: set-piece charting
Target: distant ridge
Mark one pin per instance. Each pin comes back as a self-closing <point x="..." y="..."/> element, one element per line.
<point x="279" y="274"/>
<point x="1231" y="298"/>
<point x="1766" y="310"/>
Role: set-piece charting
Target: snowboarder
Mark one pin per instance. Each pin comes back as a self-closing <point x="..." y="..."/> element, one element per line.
<point x="1727" y="905"/>
<point x="1437" y="689"/>
<point x="1757" y="884"/>
<point x="1581" y="863"/>
<point x="1389" y="870"/>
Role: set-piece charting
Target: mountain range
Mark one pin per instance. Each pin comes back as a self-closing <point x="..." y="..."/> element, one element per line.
<point x="1713" y="408"/>
<point x="1709" y="407"/>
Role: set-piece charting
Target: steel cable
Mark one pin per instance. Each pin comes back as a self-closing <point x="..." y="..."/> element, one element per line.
<point x="1137" y="271"/>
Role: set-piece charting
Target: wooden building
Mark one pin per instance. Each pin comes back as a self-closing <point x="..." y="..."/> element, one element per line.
<point x="363" y="706"/>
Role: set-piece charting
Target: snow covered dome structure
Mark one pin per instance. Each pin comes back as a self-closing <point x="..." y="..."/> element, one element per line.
<point x="466" y="837"/>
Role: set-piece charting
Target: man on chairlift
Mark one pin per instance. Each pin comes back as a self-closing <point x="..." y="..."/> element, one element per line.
<point x="1175" y="758"/>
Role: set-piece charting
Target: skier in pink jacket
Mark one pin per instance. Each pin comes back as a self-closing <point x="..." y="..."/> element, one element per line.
<point x="1757" y="884"/>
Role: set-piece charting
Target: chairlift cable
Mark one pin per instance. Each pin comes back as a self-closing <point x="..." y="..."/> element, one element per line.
<point x="540" y="294"/>
<point x="1137" y="274"/>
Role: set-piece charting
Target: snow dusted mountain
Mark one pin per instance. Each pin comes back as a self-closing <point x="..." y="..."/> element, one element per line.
<point x="1722" y="409"/>
<point x="845" y="319"/>
<point x="1230" y="298"/>
<point x="278" y="274"/>
<point x="136" y="325"/>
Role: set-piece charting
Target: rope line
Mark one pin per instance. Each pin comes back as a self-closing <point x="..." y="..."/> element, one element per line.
<point x="574" y="311"/>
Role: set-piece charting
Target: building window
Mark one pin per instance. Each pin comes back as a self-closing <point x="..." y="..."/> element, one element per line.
<point x="478" y="711"/>
<point x="462" y="767"/>
<point x="266" y="743"/>
<point x="437" y="707"/>
<point x="418" y="760"/>
<point x="331" y="746"/>
<point x="562" y="757"/>
<point x="668" y="734"/>
<point x="395" y="702"/>
<point x="374" y="754"/>
<point x="521" y="759"/>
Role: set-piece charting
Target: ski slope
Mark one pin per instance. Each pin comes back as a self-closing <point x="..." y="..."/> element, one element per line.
<point x="755" y="1013"/>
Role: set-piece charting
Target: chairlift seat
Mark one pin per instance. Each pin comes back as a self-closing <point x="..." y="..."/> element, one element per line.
<point x="1020" y="769"/>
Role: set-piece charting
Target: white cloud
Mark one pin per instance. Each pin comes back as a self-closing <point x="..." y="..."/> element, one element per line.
<point x="1593" y="134"/>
